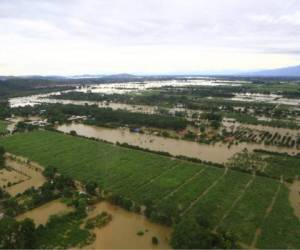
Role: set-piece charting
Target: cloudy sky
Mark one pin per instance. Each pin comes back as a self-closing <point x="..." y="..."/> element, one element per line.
<point x="147" y="36"/>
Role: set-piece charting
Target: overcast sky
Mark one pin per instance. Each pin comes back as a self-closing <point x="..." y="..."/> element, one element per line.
<point x="147" y="36"/>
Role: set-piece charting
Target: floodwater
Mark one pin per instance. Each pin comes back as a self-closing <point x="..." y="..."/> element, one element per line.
<point x="41" y="214"/>
<point x="121" y="232"/>
<point x="10" y="176"/>
<point x="270" y="98"/>
<point x="20" y="175"/>
<point x="218" y="153"/>
<point x="119" y="88"/>
<point x="39" y="99"/>
<point x="12" y="122"/>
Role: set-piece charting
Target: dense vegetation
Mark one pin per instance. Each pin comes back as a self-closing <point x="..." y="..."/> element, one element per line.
<point x="17" y="235"/>
<point x="4" y="109"/>
<point x="172" y="190"/>
<point x="20" y="86"/>
<point x="195" y="233"/>
<point x="28" y="86"/>
<point x="103" y="116"/>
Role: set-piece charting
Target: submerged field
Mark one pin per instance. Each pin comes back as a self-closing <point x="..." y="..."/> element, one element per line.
<point x="255" y="208"/>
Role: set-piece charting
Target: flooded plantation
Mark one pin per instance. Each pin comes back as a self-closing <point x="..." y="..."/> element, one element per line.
<point x="40" y="215"/>
<point x="20" y="175"/>
<point x="10" y="178"/>
<point x="124" y="229"/>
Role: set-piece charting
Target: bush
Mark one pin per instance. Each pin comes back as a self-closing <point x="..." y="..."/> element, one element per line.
<point x="189" y="234"/>
<point x="155" y="240"/>
<point x="140" y="233"/>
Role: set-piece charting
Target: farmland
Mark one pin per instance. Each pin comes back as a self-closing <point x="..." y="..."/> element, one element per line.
<point x="240" y="202"/>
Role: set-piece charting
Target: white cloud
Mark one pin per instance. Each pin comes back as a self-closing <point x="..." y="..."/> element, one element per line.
<point x="94" y="36"/>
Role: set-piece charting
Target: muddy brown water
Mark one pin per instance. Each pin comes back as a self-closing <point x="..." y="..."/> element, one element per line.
<point x="22" y="175"/>
<point x="218" y="153"/>
<point x="41" y="214"/>
<point x="121" y="232"/>
<point x="9" y="176"/>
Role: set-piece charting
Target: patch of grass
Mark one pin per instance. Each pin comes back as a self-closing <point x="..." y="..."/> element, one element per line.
<point x="3" y="127"/>
<point x="276" y="228"/>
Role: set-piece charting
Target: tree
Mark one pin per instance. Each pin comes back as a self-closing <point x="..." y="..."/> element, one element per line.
<point x="73" y="133"/>
<point x="61" y="182"/>
<point x="155" y="240"/>
<point x="91" y="187"/>
<point x="49" y="172"/>
<point x="81" y="208"/>
<point x="2" y="152"/>
<point x="4" y="109"/>
<point x="148" y="208"/>
<point x="16" y="235"/>
<point x="8" y="233"/>
<point x="3" y="194"/>
<point x="27" y="234"/>
<point x="189" y="234"/>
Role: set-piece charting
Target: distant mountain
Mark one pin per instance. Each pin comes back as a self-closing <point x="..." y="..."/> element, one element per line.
<point x="84" y="76"/>
<point x="115" y="76"/>
<point x="124" y="75"/>
<point x="284" y="72"/>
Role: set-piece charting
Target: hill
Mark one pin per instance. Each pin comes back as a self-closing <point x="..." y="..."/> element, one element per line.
<point x="293" y="71"/>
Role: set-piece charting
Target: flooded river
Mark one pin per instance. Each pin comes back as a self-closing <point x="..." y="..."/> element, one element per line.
<point x="270" y="98"/>
<point x="121" y="232"/>
<point x="218" y="153"/>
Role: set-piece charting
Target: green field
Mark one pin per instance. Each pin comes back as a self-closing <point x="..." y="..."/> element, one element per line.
<point x="3" y="127"/>
<point x="232" y="200"/>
